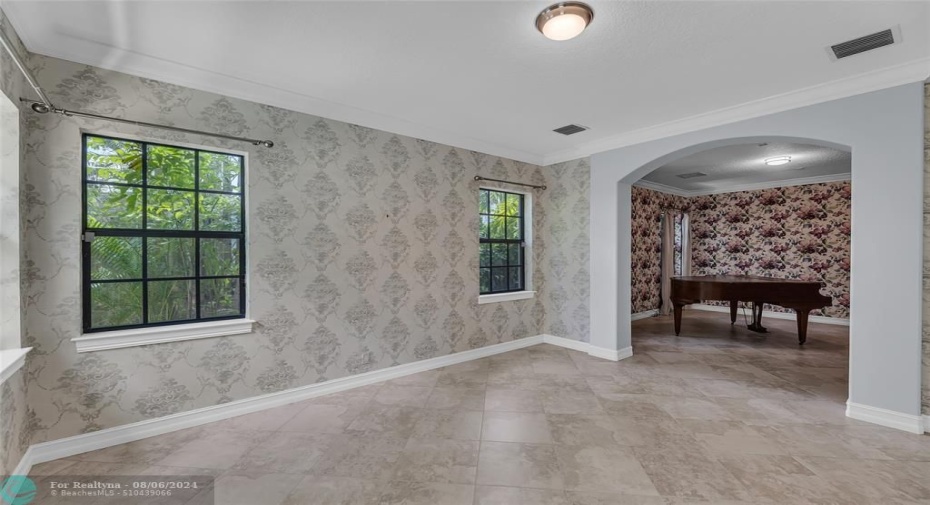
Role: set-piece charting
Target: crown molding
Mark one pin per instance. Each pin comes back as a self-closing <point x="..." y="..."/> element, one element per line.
<point x="889" y="77"/>
<point x="733" y="188"/>
<point x="107" y="57"/>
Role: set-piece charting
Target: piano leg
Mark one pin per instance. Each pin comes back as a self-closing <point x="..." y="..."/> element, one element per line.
<point x="756" y="325"/>
<point x="733" y="312"/>
<point x="802" y="325"/>
<point x="676" y="308"/>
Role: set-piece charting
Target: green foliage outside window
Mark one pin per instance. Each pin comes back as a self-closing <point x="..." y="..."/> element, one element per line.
<point x="501" y="237"/>
<point x="167" y="223"/>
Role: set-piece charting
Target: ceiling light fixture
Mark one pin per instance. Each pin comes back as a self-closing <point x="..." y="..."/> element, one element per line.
<point x="565" y="20"/>
<point x="778" y="160"/>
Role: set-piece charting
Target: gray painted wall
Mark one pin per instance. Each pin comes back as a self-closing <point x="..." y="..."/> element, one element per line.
<point x="884" y="129"/>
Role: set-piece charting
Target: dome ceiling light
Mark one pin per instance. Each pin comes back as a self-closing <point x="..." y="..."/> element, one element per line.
<point x="778" y="160"/>
<point x="565" y="20"/>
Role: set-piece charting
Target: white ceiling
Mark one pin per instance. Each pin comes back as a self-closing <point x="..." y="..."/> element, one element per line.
<point x="742" y="166"/>
<point x="478" y="75"/>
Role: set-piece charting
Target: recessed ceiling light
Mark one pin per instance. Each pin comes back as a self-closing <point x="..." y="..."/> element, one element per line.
<point x="778" y="160"/>
<point x="565" y="20"/>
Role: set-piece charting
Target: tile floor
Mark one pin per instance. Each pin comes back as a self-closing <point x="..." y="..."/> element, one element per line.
<point x="719" y="415"/>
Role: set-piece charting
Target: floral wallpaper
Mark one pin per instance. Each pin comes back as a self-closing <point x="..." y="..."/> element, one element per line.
<point x="796" y="232"/>
<point x="362" y="255"/>
<point x="646" y="229"/>
<point x="15" y="415"/>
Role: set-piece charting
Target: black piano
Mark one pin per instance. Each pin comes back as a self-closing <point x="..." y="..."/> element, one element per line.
<point x="800" y="296"/>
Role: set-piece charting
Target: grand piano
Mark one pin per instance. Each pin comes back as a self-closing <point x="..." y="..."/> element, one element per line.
<point x="801" y="296"/>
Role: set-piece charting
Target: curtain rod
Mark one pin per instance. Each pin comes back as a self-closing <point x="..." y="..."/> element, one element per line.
<point x="479" y="178"/>
<point x="44" y="105"/>
<point x="36" y="106"/>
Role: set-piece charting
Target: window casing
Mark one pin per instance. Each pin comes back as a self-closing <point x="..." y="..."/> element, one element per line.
<point x="163" y="234"/>
<point x="502" y="242"/>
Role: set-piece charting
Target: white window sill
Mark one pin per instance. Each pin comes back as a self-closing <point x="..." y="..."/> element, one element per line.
<point x="119" y="339"/>
<point x="12" y="360"/>
<point x="505" y="297"/>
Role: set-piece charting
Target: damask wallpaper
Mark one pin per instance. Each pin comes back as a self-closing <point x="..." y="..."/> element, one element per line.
<point x="646" y="229"/>
<point x="565" y="285"/>
<point x="797" y="232"/>
<point x="362" y="255"/>
<point x="14" y="412"/>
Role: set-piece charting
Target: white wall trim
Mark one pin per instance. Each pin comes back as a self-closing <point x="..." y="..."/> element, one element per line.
<point x="733" y="188"/>
<point x="926" y="419"/>
<point x="505" y="297"/>
<point x="906" y="73"/>
<point x="885" y="417"/>
<point x="12" y="360"/>
<point x="119" y="339"/>
<point x="597" y="352"/>
<point x="70" y="446"/>
<point x="643" y="315"/>
<point x="776" y="315"/>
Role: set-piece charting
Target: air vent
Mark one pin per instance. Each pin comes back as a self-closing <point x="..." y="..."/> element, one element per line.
<point x="863" y="44"/>
<point x="691" y="175"/>
<point x="570" y="129"/>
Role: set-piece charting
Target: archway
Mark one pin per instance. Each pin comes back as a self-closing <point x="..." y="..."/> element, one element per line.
<point x="883" y="129"/>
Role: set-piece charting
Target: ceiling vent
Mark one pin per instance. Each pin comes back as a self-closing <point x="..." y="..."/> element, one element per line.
<point x="863" y="44"/>
<point x="691" y="175"/>
<point x="570" y="129"/>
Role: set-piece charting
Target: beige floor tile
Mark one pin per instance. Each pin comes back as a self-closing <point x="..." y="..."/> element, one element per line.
<point x="424" y="493"/>
<point x="604" y="468"/>
<point x="323" y="418"/>
<point x="456" y="398"/>
<point x="512" y="400"/>
<point x="689" y="474"/>
<point x="443" y="461"/>
<point x="287" y="452"/>
<point x="519" y="465"/>
<point x="334" y="491"/>
<point x="361" y="457"/>
<point x="526" y="427"/>
<point x="449" y="424"/>
<point x="570" y="402"/>
<point x="147" y="450"/>
<point x="215" y="448"/>
<point x="422" y="379"/>
<point x="388" y="420"/>
<point x="781" y="479"/>
<point x="403" y="396"/>
<point x="236" y="488"/>
<point x="266" y="420"/>
<point x="729" y="437"/>
<point x="866" y="479"/>
<point x="500" y="495"/>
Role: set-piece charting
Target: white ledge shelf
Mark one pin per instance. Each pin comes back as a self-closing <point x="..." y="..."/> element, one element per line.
<point x="12" y="360"/>
<point x="505" y="297"/>
<point x="119" y="339"/>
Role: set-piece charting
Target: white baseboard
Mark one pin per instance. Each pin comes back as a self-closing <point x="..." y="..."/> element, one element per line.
<point x="70" y="446"/>
<point x="884" y="417"/>
<point x="775" y="315"/>
<point x="643" y="315"/>
<point x="926" y="424"/>
<point x="597" y="352"/>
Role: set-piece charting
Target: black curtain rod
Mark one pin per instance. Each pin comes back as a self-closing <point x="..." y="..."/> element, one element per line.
<point x="479" y="178"/>
<point x="43" y="108"/>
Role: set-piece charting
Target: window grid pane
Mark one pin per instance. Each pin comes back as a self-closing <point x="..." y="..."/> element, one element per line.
<point x="144" y="265"/>
<point x="501" y="242"/>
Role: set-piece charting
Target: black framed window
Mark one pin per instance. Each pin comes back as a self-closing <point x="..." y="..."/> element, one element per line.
<point x="163" y="234"/>
<point x="501" y="264"/>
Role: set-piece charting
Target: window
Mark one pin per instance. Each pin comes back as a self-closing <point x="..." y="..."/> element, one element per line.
<point x="164" y="235"/>
<point x="501" y="241"/>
